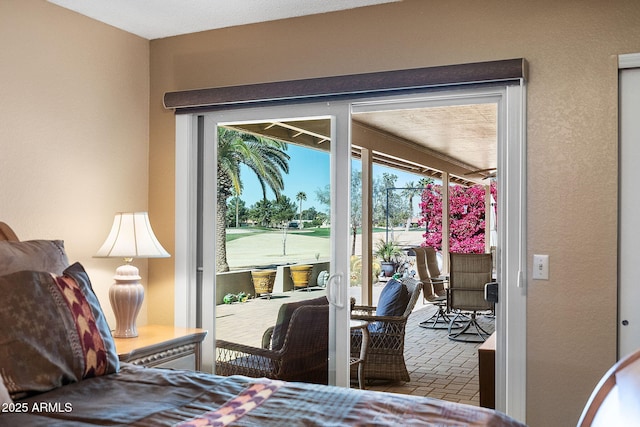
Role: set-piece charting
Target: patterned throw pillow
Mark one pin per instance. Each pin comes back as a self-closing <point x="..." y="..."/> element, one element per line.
<point x="52" y="331"/>
<point x="36" y="255"/>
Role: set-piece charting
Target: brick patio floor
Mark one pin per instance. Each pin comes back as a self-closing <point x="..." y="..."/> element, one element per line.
<point x="438" y="367"/>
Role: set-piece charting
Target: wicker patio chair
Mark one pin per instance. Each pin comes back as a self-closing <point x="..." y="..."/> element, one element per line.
<point x="385" y="355"/>
<point x="469" y="273"/>
<point x="296" y="349"/>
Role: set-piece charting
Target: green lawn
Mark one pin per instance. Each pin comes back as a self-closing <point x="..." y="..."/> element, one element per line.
<point x="252" y="231"/>
<point x="312" y="232"/>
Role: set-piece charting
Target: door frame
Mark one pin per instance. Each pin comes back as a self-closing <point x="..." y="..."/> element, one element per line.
<point x="204" y="137"/>
<point x="512" y="262"/>
<point x="628" y="130"/>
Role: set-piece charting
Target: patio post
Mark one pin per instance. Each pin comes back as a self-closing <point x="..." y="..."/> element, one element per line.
<point x="367" y="227"/>
<point x="445" y="223"/>
<point x="488" y="226"/>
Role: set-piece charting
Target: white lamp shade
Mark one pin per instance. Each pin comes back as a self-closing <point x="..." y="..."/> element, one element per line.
<point x="131" y="236"/>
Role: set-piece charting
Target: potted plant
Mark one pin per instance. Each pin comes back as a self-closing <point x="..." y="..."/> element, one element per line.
<point x="300" y="275"/>
<point x="388" y="252"/>
<point x="263" y="281"/>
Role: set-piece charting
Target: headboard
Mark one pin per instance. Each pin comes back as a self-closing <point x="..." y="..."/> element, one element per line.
<point x="6" y="233"/>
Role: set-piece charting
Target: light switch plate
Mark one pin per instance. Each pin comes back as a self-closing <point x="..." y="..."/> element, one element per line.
<point x="541" y="267"/>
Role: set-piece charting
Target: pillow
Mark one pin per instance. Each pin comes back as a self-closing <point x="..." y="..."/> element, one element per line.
<point x="4" y="393"/>
<point x="284" y="316"/>
<point x="392" y="302"/>
<point x="36" y="255"/>
<point x="52" y="331"/>
<point x="393" y="299"/>
<point x="96" y="329"/>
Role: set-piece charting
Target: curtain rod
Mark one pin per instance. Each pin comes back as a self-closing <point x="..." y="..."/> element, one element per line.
<point x="325" y="88"/>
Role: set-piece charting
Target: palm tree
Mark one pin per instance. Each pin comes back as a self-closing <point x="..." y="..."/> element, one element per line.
<point x="410" y="192"/>
<point x="356" y="207"/>
<point x="265" y="157"/>
<point x="300" y="197"/>
<point x="236" y="196"/>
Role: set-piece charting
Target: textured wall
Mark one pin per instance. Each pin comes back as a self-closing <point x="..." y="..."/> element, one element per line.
<point x="74" y="132"/>
<point x="572" y="142"/>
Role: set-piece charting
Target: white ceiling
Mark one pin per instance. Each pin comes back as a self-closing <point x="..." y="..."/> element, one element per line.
<point x="155" y="19"/>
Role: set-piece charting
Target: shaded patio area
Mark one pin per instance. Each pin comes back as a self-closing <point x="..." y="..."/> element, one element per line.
<point x="438" y="367"/>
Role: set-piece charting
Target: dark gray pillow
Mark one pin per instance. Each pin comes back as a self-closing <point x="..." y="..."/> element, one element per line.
<point x="52" y="332"/>
<point x="35" y="255"/>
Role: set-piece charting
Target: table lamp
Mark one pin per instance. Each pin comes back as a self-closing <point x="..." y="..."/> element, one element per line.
<point x="131" y="237"/>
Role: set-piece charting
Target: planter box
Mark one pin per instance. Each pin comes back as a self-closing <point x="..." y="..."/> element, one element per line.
<point x="233" y="282"/>
<point x="240" y="281"/>
<point x="283" y="277"/>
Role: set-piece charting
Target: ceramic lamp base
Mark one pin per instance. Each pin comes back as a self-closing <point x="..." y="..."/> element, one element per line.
<point x="126" y="295"/>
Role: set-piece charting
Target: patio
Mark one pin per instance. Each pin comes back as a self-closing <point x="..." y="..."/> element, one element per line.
<point x="438" y="367"/>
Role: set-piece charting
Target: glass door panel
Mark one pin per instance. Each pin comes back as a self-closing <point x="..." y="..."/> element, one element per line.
<point x="276" y="240"/>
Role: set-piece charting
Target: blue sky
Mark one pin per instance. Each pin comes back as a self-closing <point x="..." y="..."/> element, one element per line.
<point x="308" y="172"/>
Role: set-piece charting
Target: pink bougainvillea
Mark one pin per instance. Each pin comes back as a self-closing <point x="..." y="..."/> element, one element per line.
<point x="466" y="217"/>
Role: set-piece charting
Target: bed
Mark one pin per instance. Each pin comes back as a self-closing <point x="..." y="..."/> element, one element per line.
<point x="58" y="367"/>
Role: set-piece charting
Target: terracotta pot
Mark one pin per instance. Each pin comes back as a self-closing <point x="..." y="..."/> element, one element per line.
<point x="300" y="274"/>
<point x="263" y="281"/>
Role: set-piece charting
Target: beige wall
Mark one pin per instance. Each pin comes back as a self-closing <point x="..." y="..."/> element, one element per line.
<point x="77" y="146"/>
<point x="572" y="143"/>
<point x="74" y="132"/>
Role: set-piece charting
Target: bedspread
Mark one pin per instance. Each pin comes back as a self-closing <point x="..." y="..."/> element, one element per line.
<point x="158" y="397"/>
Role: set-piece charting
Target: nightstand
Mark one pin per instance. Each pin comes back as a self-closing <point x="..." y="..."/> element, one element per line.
<point x="163" y="347"/>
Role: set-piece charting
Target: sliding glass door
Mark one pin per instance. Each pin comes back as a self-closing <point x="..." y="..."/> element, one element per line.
<point x="199" y="296"/>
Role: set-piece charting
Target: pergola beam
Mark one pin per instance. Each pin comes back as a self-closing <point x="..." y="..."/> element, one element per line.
<point x="392" y="147"/>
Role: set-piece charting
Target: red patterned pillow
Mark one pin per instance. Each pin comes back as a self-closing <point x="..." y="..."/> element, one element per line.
<point x="87" y="321"/>
<point x="52" y="331"/>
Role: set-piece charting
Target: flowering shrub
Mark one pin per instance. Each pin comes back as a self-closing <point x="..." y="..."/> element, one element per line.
<point x="466" y="217"/>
